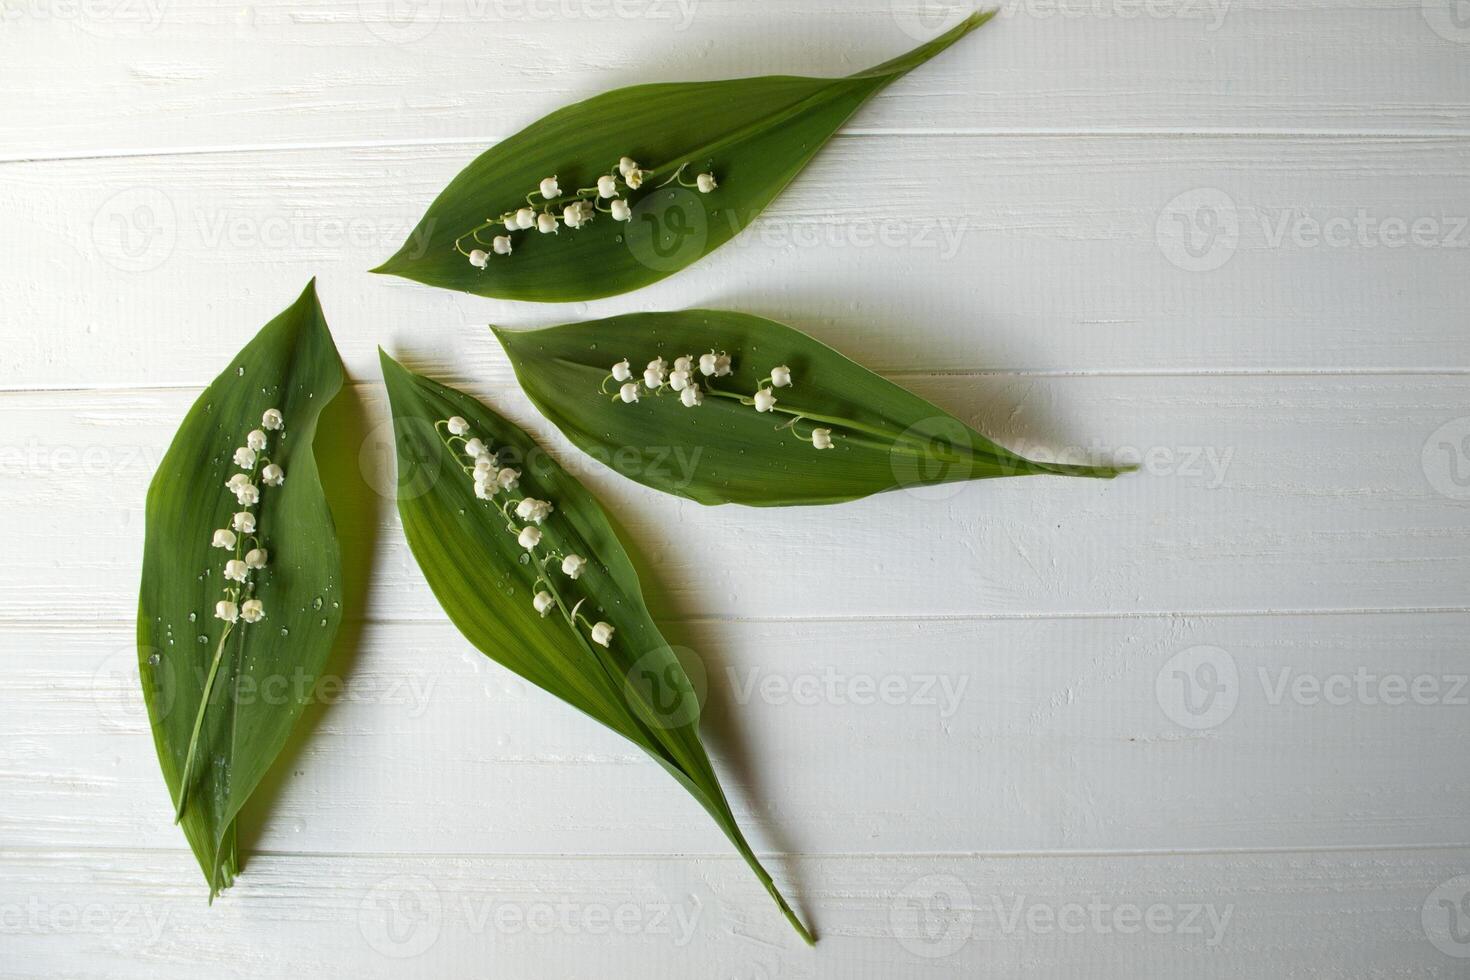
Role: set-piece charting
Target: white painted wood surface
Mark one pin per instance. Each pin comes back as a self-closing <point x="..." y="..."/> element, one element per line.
<point x="966" y="726"/>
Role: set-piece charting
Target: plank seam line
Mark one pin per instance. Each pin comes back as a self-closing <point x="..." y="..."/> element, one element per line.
<point x="1384" y="136"/>
<point x="610" y="856"/>
<point x="21" y="624"/>
<point x="910" y="373"/>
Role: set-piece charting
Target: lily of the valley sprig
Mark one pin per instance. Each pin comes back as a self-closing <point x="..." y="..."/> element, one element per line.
<point x="749" y="136"/>
<point x="657" y="378"/>
<point x="548" y="210"/>
<point x="523" y="518"/>
<point x="248" y="556"/>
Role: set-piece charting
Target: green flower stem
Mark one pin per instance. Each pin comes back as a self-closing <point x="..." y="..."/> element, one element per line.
<point x="199" y="723"/>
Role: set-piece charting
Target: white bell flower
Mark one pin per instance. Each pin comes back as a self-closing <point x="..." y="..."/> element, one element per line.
<point x="706" y="364"/>
<point x="501" y="244"/>
<point x="223" y="538"/>
<point x="622" y="371"/>
<point x="479" y="258"/>
<point x="525" y="218"/>
<point x="546" y="223"/>
<point x="705" y="183"/>
<point x="236" y="571"/>
<point x="272" y="419"/>
<point x="485" y="467"/>
<point x="543" y="602"/>
<point x="457" y="426"/>
<point x="634" y="179"/>
<point x="621" y="211"/>
<point x="244" y="457"/>
<point x="256" y="558"/>
<point x="723" y="365"/>
<point x="485" y="489"/>
<point x="226" y="610"/>
<point x="510" y="222"/>
<point x="627" y="165"/>
<point x="252" y="611"/>
<point x="572" y="215"/>
<point x="607" y="186"/>
<point x="678" y="380"/>
<point x="550" y="188"/>
<point x="781" y="376"/>
<point x="765" y="400"/>
<point x="822" y="438"/>
<point x="272" y="475"/>
<point x="572" y="566"/>
<point x="247" y="495"/>
<point x="653" y="375"/>
<point x="684" y="363"/>
<point x="602" y="634"/>
<point x="475" y="447"/>
<point x="255" y="440"/>
<point x="507" y="478"/>
<point x="236" y="481"/>
<point x="529" y="537"/>
<point x="629" y="392"/>
<point x="533" y="510"/>
<point x="691" y="396"/>
<point x="244" y="522"/>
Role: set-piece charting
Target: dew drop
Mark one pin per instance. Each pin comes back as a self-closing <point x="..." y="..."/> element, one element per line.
<point x="240" y="371"/>
<point x="201" y="638"/>
<point x="316" y="603"/>
<point x="322" y="623"/>
<point x="153" y="659"/>
<point x="285" y="632"/>
<point x="193" y="617"/>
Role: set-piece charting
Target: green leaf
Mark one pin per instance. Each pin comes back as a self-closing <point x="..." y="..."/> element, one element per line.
<point x="723" y="450"/>
<point x="753" y="134"/>
<point x="222" y="697"/>
<point x="485" y="579"/>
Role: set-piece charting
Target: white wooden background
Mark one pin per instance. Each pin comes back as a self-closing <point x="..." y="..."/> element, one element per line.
<point x="1097" y="224"/>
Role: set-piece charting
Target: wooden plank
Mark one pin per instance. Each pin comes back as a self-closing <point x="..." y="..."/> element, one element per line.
<point x="1338" y="916"/>
<point x="1056" y="254"/>
<point x="986" y="736"/>
<point x="1283" y="493"/>
<point x="184" y="75"/>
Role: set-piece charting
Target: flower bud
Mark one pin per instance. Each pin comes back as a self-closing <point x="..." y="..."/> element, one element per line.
<point x="525" y="218"/>
<point x="781" y="376"/>
<point x="479" y="258"/>
<point x="765" y="400"/>
<point x="678" y="380"/>
<point x="621" y="371"/>
<point x="621" y="211"/>
<point x="529" y="537"/>
<point x="545" y="223"/>
<point x="550" y="188"/>
<point x="602" y="634"/>
<point x="707" y="364"/>
<point x="822" y="438"/>
<point x="691" y="396"/>
<point x="705" y="183"/>
<point x="457" y="426"/>
<point x="543" y="602"/>
<point x="629" y="392"/>
<point x="607" y="186"/>
<point x="501" y="244"/>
